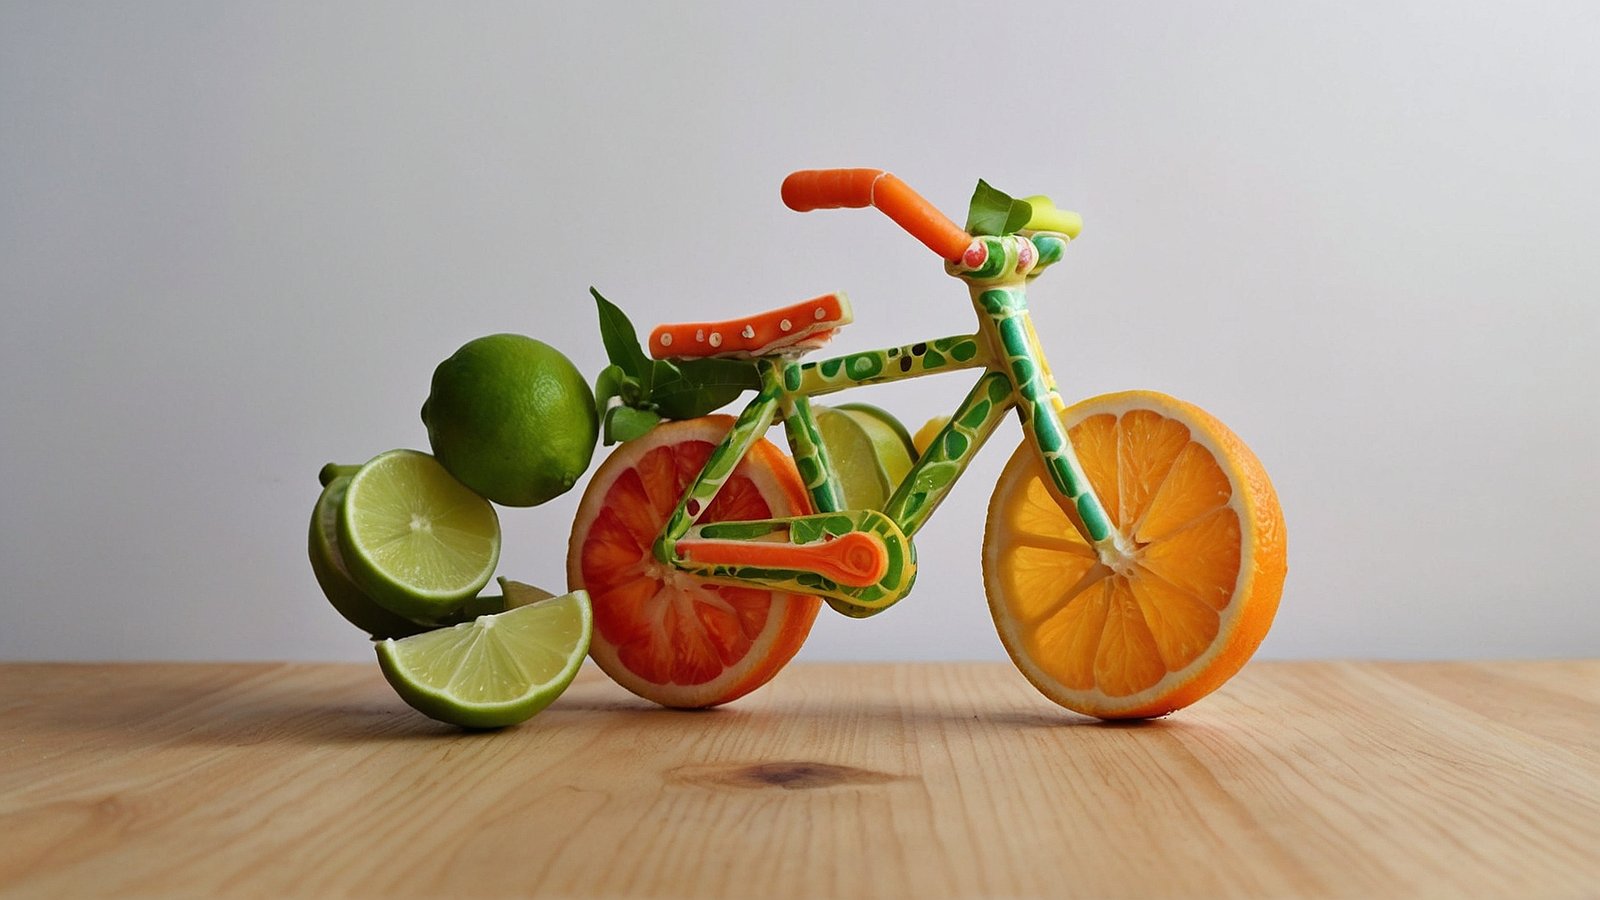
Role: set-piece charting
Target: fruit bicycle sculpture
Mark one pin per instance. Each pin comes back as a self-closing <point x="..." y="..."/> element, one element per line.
<point x="1134" y="551"/>
<point x="1133" y="556"/>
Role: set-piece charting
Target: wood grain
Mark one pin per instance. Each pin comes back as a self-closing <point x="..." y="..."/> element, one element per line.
<point x="1297" y="779"/>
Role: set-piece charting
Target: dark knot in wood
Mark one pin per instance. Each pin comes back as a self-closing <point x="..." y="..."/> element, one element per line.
<point x="789" y="775"/>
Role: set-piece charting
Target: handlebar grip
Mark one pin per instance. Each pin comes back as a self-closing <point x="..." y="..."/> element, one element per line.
<point x="856" y="188"/>
<point x="829" y="189"/>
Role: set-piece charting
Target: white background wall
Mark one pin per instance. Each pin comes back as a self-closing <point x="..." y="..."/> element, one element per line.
<point x="235" y="239"/>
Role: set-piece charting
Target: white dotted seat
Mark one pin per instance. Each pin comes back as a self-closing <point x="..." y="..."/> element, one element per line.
<point x="791" y="329"/>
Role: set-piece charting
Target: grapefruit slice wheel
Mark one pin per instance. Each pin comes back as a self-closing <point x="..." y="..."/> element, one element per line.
<point x="662" y="634"/>
<point x="1168" y="621"/>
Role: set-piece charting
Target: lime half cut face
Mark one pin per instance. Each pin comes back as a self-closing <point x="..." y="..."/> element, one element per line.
<point x="417" y="540"/>
<point x="495" y="670"/>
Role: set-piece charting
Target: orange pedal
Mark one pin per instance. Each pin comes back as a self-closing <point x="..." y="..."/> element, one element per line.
<point x="853" y="560"/>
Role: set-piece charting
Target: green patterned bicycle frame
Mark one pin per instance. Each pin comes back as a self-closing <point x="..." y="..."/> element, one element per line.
<point x="1016" y="376"/>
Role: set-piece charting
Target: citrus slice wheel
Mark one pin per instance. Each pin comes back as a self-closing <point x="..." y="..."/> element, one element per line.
<point x="665" y="635"/>
<point x="495" y="670"/>
<point x="1179" y="611"/>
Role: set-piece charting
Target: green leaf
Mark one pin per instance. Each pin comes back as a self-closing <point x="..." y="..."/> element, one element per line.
<point x="994" y="212"/>
<point x="607" y="385"/>
<point x="674" y="388"/>
<point x="624" y="423"/>
<point x="622" y="341"/>
<point x="633" y="394"/>
<point x="686" y="388"/>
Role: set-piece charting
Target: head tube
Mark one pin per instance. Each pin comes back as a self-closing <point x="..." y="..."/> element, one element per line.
<point x="1008" y="258"/>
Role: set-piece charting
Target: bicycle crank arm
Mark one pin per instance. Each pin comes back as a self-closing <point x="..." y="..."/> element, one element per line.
<point x="859" y="560"/>
<point x="851" y="560"/>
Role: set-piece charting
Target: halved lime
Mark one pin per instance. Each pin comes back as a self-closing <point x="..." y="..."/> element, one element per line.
<point x="869" y="457"/>
<point x="333" y="576"/>
<point x="416" y="540"/>
<point x="495" y="670"/>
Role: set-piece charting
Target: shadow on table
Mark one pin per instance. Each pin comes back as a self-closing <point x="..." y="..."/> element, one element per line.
<point x="601" y="709"/>
<point x="270" y="704"/>
<point x="866" y="708"/>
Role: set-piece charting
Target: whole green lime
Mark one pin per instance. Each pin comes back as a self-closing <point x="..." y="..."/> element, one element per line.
<point x="511" y="418"/>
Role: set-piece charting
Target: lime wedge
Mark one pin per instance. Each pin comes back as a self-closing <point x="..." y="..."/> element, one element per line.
<point x="516" y="594"/>
<point x="333" y="575"/>
<point x="887" y="418"/>
<point x="495" y="670"/>
<point x="415" y="539"/>
<point x="869" y="456"/>
<point x="512" y="595"/>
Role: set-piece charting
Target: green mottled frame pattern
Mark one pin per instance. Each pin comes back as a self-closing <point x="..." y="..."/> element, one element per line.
<point x="1016" y="377"/>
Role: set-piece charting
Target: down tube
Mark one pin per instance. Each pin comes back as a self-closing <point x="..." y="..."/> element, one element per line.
<point x="751" y="425"/>
<point x="953" y="448"/>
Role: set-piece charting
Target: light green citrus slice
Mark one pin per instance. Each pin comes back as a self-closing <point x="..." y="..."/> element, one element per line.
<point x="495" y="670"/>
<point x="869" y="457"/>
<point x="512" y="595"/>
<point x="416" y="540"/>
<point x="333" y="576"/>
<point x="885" y="417"/>
<point x="1046" y="217"/>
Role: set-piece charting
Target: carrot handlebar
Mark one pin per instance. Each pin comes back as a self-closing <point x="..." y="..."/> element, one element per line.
<point x="829" y="188"/>
<point x="855" y="188"/>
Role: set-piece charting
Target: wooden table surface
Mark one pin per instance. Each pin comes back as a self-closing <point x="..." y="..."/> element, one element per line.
<point x="1297" y="779"/>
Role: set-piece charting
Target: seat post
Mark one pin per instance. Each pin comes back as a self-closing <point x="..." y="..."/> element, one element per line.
<point x="805" y="438"/>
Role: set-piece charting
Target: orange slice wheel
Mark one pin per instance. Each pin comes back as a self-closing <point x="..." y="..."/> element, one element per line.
<point x="1177" y="614"/>
<point x="664" y="635"/>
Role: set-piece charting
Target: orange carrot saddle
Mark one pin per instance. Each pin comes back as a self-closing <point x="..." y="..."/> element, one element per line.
<point x="790" y="330"/>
